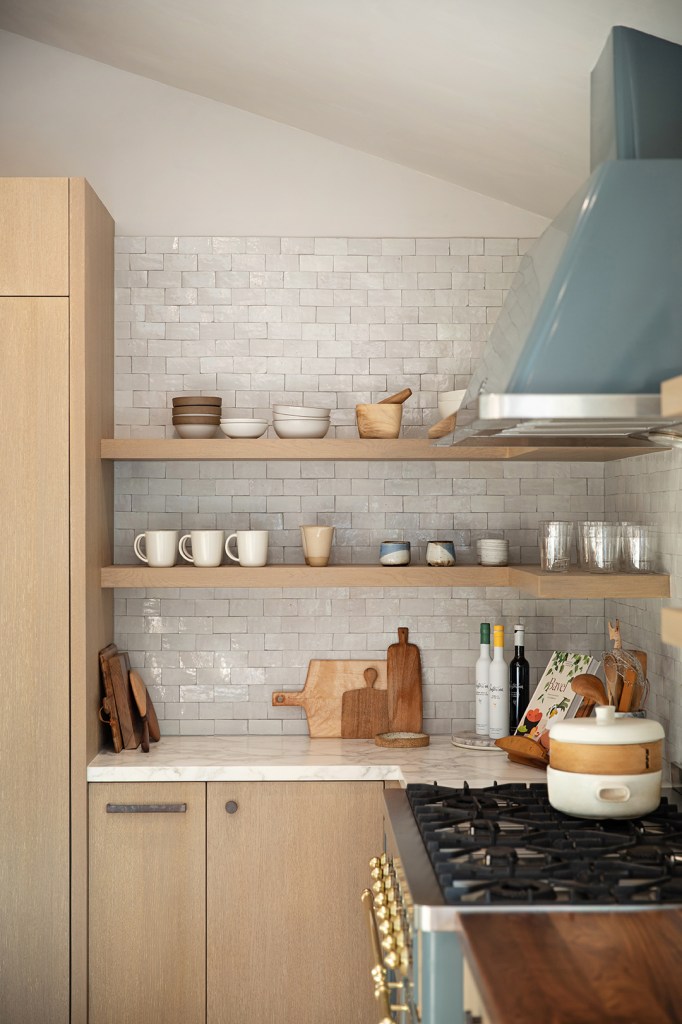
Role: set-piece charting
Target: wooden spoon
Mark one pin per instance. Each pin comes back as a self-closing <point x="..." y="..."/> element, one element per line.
<point x="591" y="687"/>
<point x="614" y="680"/>
<point x="140" y="695"/>
<point x="397" y="399"/>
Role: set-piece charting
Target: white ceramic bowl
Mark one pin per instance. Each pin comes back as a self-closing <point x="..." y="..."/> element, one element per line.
<point x="449" y="402"/>
<point x="301" y="411"/>
<point x="301" y="428"/>
<point x="243" y="427"/>
<point x="195" y="430"/>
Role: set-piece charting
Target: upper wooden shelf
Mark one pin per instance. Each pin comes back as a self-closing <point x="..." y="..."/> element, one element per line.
<point x="528" y="578"/>
<point x="671" y="397"/>
<point x="671" y="626"/>
<point x="356" y="449"/>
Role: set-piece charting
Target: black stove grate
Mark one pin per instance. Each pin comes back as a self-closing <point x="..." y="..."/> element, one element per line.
<point x="506" y="844"/>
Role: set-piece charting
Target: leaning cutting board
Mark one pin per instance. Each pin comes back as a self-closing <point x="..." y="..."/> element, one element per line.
<point x="364" y="713"/>
<point x="404" y="683"/>
<point x="107" y="712"/>
<point x="128" y="716"/>
<point x="322" y="696"/>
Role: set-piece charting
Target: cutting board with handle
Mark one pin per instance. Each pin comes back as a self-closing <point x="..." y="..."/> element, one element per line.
<point x="108" y="714"/>
<point x="128" y="715"/>
<point x="404" y="685"/>
<point x="364" y="713"/>
<point x="146" y="710"/>
<point x="322" y="696"/>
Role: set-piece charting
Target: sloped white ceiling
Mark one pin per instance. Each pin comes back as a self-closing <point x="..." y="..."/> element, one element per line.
<point x="492" y="95"/>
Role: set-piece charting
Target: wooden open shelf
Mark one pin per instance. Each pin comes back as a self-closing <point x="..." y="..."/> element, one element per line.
<point x="671" y="626"/>
<point x="671" y="397"/>
<point x="355" y="449"/>
<point x="528" y="578"/>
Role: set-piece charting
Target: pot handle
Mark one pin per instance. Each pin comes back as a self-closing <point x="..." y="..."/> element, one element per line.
<point x="613" y="794"/>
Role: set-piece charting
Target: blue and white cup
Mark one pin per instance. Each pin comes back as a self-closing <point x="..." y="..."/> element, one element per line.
<point x="394" y="552"/>
<point x="440" y="552"/>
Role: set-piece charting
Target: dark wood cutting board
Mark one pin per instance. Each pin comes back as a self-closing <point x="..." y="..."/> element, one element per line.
<point x="128" y="715"/>
<point x="364" y="713"/>
<point x="404" y="685"/>
<point x="108" y="714"/>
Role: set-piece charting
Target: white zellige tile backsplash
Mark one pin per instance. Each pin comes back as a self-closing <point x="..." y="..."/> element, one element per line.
<point x="330" y="321"/>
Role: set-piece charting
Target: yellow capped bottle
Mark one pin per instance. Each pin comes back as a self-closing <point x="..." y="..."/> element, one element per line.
<point x="498" y="710"/>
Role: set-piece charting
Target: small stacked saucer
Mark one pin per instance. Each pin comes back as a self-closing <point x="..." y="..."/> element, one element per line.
<point x="196" y="416"/>
<point x="492" y="551"/>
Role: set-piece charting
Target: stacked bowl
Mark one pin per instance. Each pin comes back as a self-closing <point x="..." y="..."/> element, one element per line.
<point x="492" y="551"/>
<point x="299" y="421"/>
<point x="196" y="416"/>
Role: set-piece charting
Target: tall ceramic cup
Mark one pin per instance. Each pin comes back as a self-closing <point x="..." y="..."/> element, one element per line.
<point x="207" y="547"/>
<point x="317" y="544"/>
<point x="161" y="547"/>
<point x="252" y="547"/>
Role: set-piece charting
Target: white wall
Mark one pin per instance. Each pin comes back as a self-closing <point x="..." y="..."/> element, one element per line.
<point x="166" y="161"/>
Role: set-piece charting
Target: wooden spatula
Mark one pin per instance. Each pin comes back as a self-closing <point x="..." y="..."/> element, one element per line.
<point x="364" y="713"/>
<point x="404" y="685"/>
<point x="396" y="399"/>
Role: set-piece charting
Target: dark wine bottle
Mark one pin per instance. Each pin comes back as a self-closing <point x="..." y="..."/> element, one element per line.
<point x="519" y="681"/>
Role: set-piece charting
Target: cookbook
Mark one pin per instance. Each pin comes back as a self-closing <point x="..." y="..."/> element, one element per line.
<point x="553" y="698"/>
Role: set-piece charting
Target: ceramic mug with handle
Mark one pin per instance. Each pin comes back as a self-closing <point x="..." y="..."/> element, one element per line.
<point x="207" y="547"/>
<point x="161" y="547"/>
<point x="252" y="547"/>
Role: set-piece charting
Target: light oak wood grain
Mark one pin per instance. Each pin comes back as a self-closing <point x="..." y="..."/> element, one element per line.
<point x="671" y="626"/>
<point x="148" y="906"/>
<point x="287" y="940"/>
<point x="358" y="449"/>
<point x="34" y="654"/>
<point x="530" y="578"/>
<point x="91" y="391"/>
<point x="34" y="228"/>
<point x="322" y="695"/>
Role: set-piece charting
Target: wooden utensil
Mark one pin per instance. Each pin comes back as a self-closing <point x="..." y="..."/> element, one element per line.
<point x="364" y="713"/>
<point x="379" y="421"/>
<point x="130" y="721"/>
<point x="614" y="680"/>
<point x="322" y="696"/>
<point x="523" y="750"/>
<point x="591" y="687"/>
<point x="108" y="713"/>
<point x="629" y="684"/>
<point x="443" y="427"/>
<point x="404" y="683"/>
<point x="140" y="695"/>
<point x="152" y="720"/>
<point x="397" y="399"/>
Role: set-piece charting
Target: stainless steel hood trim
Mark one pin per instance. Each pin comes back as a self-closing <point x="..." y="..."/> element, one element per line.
<point x="568" y="407"/>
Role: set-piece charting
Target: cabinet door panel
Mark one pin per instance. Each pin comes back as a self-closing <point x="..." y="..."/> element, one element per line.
<point x="34" y="228"/>
<point x="34" y="661"/>
<point x="148" y="904"/>
<point x="287" y="940"/>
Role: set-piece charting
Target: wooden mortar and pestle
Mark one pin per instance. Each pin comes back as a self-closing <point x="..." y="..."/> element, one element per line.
<point x="382" y="419"/>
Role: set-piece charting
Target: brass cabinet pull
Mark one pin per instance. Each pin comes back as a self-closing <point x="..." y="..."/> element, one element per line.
<point x="381" y="989"/>
<point x="146" y="808"/>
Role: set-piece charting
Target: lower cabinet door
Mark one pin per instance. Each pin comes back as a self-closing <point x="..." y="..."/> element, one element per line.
<point x="147" y="907"/>
<point x="286" y="864"/>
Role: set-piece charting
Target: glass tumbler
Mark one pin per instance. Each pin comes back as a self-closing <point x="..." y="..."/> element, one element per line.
<point x="555" y="545"/>
<point x="602" y="546"/>
<point x="638" y="548"/>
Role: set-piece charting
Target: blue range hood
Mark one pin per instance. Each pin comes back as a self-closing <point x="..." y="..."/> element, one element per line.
<point x="593" y="321"/>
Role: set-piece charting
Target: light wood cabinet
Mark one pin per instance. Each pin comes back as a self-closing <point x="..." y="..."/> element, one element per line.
<point x="56" y="393"/>
<point x="148" y="903"/>
<point x="286" y="937"/>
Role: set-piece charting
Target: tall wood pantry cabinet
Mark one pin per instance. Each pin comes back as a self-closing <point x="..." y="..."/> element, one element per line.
<point x="56" y="395"/>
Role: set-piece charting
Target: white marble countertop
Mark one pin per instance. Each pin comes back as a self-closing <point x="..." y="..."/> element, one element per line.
<point x="298" y="758"/>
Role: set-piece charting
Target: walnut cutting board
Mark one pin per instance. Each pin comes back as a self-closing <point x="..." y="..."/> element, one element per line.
<point x="404" y="685"/>
<point x="322" y="696"/>
<point x="364" y="713"/>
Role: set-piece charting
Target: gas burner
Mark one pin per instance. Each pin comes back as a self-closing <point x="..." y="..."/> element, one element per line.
<point x="580" y="842"/>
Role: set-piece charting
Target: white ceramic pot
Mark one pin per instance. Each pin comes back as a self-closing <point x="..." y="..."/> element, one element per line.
<point x="605" y="767"/>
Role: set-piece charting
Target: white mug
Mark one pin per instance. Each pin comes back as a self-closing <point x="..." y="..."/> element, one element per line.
<point x="252" y="547"/>
<point x="161" y="547"/>
<point x="207" y="547"/>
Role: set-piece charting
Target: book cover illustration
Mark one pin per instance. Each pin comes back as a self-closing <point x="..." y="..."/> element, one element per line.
<point x="553" y="698"/>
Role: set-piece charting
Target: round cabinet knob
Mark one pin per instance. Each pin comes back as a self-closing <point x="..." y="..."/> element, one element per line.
<point x="231" y="806"/>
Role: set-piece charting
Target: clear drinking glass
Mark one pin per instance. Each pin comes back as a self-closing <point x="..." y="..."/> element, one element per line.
<point x="582" y="543"/>
<point x="555" y="545"/>
<point x="602" y="546"/>
<point x="638" y="548"/>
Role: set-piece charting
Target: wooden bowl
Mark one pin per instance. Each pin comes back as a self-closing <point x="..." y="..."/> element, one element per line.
<point x="381" y="420"/>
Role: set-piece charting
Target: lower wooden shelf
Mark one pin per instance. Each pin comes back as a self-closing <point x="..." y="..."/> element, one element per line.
<point x="671" y="626"/>
<point x="528" y="578"/>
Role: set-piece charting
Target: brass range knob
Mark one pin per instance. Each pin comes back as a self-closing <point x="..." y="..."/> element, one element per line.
<point x="380" y="898"/>
<point x="377" y="873"/>
<point x="392" y="960"/>
<point x="382" y="913"/>
<point x="388" y="943"/>
<point x="379" y="887"/>
<point x="375" y="862"/>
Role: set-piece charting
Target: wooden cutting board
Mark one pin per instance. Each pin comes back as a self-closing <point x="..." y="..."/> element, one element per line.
<point x="404" y="684"/>
<point x="364" y="713"/>
<point x="128" y="716"/>
<point x="322" y="696"/>
<point x="108" y="714"/>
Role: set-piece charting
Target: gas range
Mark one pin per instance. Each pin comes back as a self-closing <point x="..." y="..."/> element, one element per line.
<point x="502" y="848"/>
